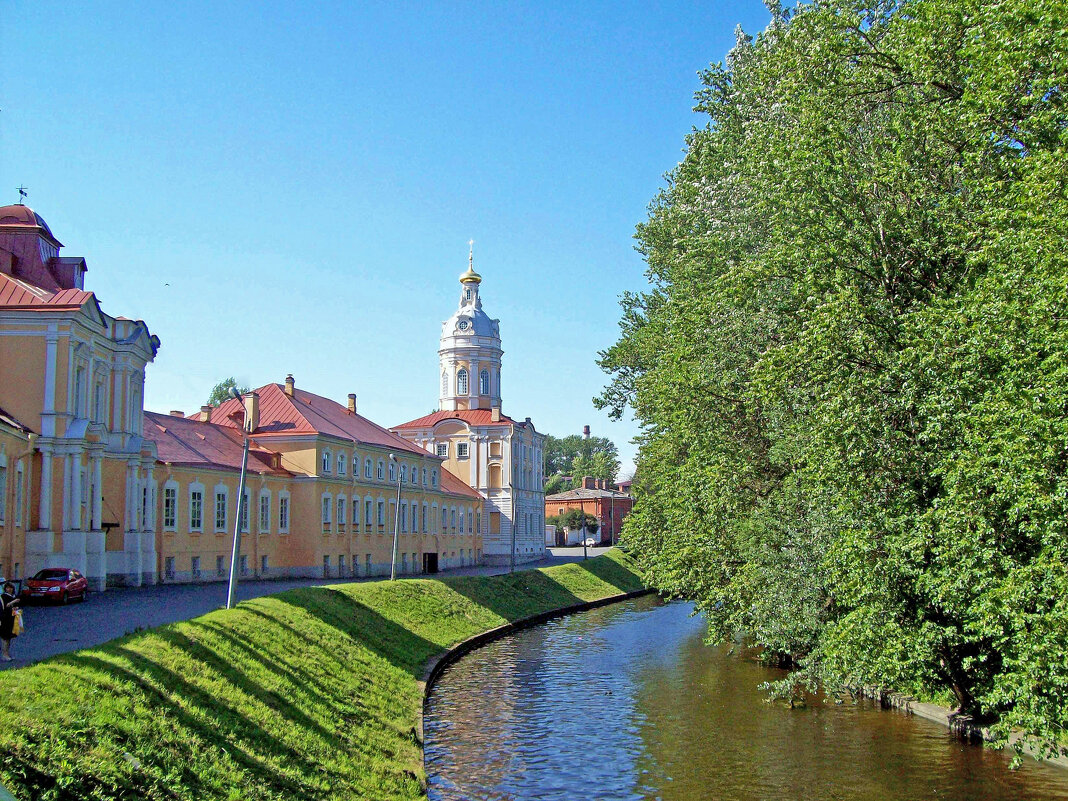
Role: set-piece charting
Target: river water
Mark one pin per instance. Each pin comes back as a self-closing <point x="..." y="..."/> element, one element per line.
<point x="627" y="702"/>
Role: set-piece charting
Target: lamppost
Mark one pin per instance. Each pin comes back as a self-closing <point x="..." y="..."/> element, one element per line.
<point x="396" y="520"/>
<point x="230" y="600"/>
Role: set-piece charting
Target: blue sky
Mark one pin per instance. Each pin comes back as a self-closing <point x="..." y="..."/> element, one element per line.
<point x="290" y="187"/>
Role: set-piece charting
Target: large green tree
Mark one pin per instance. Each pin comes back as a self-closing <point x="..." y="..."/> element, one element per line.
<point x="850" y="363"/>
<point x="574" y="455"/>
<point x="221" y="391"/>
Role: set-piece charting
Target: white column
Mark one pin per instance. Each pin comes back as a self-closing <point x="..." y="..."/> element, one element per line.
<point x="98" y="491"/>
<point x="76" y="492"/>
<point x="66" y="520"/>
<point x="149" y="523"/>
<point x="45" y="511"/>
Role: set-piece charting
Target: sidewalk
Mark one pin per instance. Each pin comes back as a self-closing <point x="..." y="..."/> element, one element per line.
<point x="52" y="630"/>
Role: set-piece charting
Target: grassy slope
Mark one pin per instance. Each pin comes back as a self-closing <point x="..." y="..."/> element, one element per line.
<point x="312" y="693"/>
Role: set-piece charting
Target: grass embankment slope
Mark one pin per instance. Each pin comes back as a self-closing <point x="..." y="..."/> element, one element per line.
<point x="312" y="693"/>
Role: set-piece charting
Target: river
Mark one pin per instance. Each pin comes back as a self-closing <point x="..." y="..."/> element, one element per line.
<point x="627" y="702"/>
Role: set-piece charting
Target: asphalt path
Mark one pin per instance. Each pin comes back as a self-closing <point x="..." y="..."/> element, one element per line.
<point x="52" y="630"/>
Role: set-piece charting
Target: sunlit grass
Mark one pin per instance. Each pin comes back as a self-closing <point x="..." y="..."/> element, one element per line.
<point x="313" y="693"/>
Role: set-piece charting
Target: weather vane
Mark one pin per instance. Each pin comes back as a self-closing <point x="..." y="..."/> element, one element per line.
<point x="23" y="192"/>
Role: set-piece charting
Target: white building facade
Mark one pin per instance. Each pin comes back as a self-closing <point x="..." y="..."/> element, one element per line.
<point x="497" y="455"/>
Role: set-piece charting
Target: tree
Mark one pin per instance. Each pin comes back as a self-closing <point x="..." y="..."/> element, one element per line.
<point x="557" y="482"/>
<point x="850" y="364"/>
<point x="560" y="455"/>
<point x="221" y="391"/>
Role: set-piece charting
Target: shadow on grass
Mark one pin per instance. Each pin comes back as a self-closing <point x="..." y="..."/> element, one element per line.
<point x="391" y="641"/>
<point x="217" y="725"/>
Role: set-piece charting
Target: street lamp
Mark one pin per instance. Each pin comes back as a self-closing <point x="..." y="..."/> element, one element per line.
<point x="240" y="504"/>
<point x="396" y="520"/>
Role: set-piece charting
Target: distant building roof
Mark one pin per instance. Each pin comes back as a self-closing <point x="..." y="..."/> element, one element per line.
<point x="474" y="417"/>
<point x="586" y="495"/>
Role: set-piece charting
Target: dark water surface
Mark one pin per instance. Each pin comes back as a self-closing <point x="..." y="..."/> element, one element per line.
<point x="626" y="702"/>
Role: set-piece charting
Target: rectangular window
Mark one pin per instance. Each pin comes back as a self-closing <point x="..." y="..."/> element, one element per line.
<point x="265" y="513"/>
<point x="168" y="567"/>
<point x="244" y="512"/>
<point x="461" y="450"/>
<point x="170" y="507"/>
<point x="368" y="565"/>
<point x="195" y="567"/>
<point x="341" y="515"/>
<point x="404" y="517"/>
<point x="283" y="514"/>
<point x="368" y="518"/>
<point x="263" y="565"/>
<point x="381" y="513"/>
<point x="404" y="563"/>
<point x="244" y="565"/>
<point x="3" y="493"/>
<point x="196" y="510"/>
<point x="340" y="565"/>
<point x="443" y="450"/>
<point x="220" y="511"/>
<point x="326" y="513"/>
<point x="424" y="518"/>
<point x="355" y="511"/>
<point x="220" y="566"/>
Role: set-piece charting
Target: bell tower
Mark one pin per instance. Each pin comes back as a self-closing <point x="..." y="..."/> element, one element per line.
<point x="469" y="353"/>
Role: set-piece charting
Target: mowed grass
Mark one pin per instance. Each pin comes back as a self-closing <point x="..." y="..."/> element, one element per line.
<point x="309" y="694"/>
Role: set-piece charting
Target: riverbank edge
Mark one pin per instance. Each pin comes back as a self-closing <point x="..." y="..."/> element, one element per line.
<point x="961" y="725"/>
<point x="436" y="665"/>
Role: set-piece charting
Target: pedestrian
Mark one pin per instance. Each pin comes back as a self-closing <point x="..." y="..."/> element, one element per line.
<point x="9" y="602"/>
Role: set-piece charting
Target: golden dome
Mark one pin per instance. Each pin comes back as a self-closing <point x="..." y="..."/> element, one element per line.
<point x="470" y="276"/>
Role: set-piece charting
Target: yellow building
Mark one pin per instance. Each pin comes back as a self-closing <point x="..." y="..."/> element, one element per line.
<point x="500" y="457"/>
<point x="90" y="481"/>
<point x="321" y="497"/>
<point x="72" y="376"/>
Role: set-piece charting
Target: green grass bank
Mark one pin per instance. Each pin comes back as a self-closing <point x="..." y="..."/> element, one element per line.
<point x="313" y="693"/>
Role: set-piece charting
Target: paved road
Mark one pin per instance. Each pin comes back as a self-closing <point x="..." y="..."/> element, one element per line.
<point x="52" y="630"/>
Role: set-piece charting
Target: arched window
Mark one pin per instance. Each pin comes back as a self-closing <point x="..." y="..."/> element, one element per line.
<point x="341" y="460"/>
<point x="483" y="383"/>
<point x="381" y="470"/>
<point x="461" y="382"/>
<point x="444" y="383"/>
<point x="367" y="467"/>
<point x="326" y="461"/>
<point x="355" y="465"/>
<point x="404" y="473"/>
<point x="433" y="478"/>
<point x="392" y="471"/>
<point x="444" y="519"/>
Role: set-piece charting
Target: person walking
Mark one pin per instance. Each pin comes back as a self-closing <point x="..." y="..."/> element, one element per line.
<point x="9" y="602"/>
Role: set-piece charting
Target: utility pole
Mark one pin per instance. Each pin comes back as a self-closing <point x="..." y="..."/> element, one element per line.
<point x="236" y="555"/>
<point x="396" y="521"/>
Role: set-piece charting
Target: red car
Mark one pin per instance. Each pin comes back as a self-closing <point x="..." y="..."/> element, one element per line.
<point x="59" y="584"/>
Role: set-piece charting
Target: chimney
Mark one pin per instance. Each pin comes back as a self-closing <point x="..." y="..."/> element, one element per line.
<point x="495" y="414"/>
<point x="205" y="414"/>
<point x="177" y="413"/>
<point x="290" y="384"/>
<point x="589" y="482"/>
<point x="585" y="432"/>
<point x="252" y="411"/>
<point x="352" y="403"/>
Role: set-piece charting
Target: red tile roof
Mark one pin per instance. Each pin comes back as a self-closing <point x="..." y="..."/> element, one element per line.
<point x="307" y="413"/>
<point x="474" y="417"/>
<point x="454" y="485"/>
<point x="183" y="441"/>
<point x="22" y="294"/>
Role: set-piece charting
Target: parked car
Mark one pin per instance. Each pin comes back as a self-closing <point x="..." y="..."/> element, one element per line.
<point x="591" y="542"/>
<point x="58" y="584"/>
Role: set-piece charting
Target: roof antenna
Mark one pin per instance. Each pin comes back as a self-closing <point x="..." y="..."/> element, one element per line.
<point x="23" y="192"/>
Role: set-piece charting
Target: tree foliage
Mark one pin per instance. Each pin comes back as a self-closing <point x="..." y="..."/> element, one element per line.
<point x="578" y="456"/>
<point x="221" y="391"/>
<point x="573" y="519"/>
<point x="850" y="366"/>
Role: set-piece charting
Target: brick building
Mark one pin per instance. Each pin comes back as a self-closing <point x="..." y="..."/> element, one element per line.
<point x="598" y="497"/>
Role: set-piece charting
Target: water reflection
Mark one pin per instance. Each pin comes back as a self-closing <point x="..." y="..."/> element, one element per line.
<point x="626" y="702"/>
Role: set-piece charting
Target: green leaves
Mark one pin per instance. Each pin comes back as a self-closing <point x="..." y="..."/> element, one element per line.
<point x="850" y="366"/>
